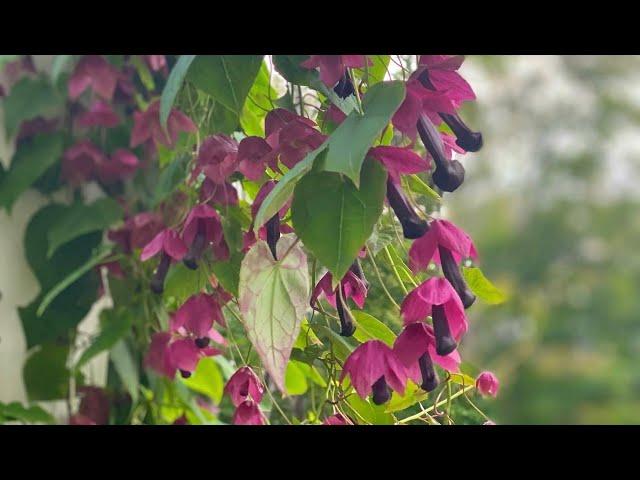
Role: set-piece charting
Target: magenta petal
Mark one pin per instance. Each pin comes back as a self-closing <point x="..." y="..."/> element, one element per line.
<point x="251" y="157"/>
<point x="195" y="315"/>
<point x="336" y="419"/>
<point x="354" y="288"/>
<point x="371" y="361"/>
<point x="487" y="384"/>
<point x="452" y="237"/>
<point x="243" y="385"/>
<point x="158" y="357"/>
<point x="395" y="374"/>
<point x="406" y="117"/>
<point x="185" y="354"/>
<point x="356" y="61"/>
<point x="449" y="362"/>
<point x="412" y="343"/>
<point x="153" y="247"/>
<point x="78" y="83"/>
<point x="141" y="131"/>
<point x="459" y="89"/>
<point x="454" y="310"/>
<point x="216" y="336"/>
<point x="414" y="308"/>
<point x="400" y="160"/>
<point x="422" y="251"/>
<point x="173" y="246"/>
<point x="248" y="413"/>
<point x="180" y="122"/>
<point x="324" y="286"/>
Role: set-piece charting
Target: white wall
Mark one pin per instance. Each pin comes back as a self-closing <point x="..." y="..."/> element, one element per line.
<point x="18" y="287"/>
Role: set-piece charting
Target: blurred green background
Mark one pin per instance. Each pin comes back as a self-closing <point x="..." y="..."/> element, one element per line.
<point x="552" y="204"/>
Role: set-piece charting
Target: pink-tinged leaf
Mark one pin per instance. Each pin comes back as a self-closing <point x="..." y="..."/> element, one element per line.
<point x="273" y="299"/>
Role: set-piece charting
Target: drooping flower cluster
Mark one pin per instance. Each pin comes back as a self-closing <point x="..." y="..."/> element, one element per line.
<point x="109" y="87"/>
<point x="224" y="172"/>
<point x="191" y="330"/>
<point x="246" y="390"/>
<point x="434" y="312"/>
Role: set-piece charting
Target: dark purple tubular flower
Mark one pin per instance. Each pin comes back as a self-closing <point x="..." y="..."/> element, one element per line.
<point x="169" y="244"/>
<point x="344" y="88"/>
<point x="413" y="226"/>
<point x="449" y="174"/>
<point x="467" y="139"/>
<point x="202" y="228"/>
<point x="436" y="298"/>
<point x="273" y="227"/>
<point x="351" y="286"/>
<point x="438" y="73"/>
<point x="273" y="234"/>
<point x="375" y="370"/>
<point x="446" y="244"/>
<point x="398" y="161"/>
<point x="416" y="349"/>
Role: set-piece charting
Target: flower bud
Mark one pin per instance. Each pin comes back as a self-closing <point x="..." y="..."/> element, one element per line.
<point x="487" y="384"/>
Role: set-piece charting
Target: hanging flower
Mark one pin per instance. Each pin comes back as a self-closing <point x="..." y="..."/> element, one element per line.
<point x="79" y="162"/>
<point x="291" y="137"/>
<point x="248" y="413"/>
<point x="137" y="231"/>
<point x="95" y="72"/>
<point x="203" y="228"/>
<point x="217" y="158"/>
<point x="244" y="385"/>
<point x="487" y="384"/>
<point x="120" y="165"/>
<point x="187" y="341"/>
<point x="171" y="247"/>
<point x="333" y="67"/>
<point x="415" y="347"/>
<point x="445" y="244"/>
<point x="99" y="114"/>
<point x="351" y="286"/>
<point x="147" y="127"/>
<point x="436" y="298"/>
<point x="375" y="369"/>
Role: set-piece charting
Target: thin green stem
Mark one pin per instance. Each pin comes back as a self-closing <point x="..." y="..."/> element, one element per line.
<point x="395" y="270"/>
<point x="384" y="287"/>
<point x="433" y="407"/>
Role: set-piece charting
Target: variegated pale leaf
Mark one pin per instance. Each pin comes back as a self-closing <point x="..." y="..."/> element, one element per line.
<point x="273" y="299"/>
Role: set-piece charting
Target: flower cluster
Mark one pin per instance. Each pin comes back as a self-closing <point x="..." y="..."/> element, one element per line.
<point x="434" y="312"/>
<point x="191" y="330"/>
<point x="246" y="390"/>
<point x="115" y="137"/>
